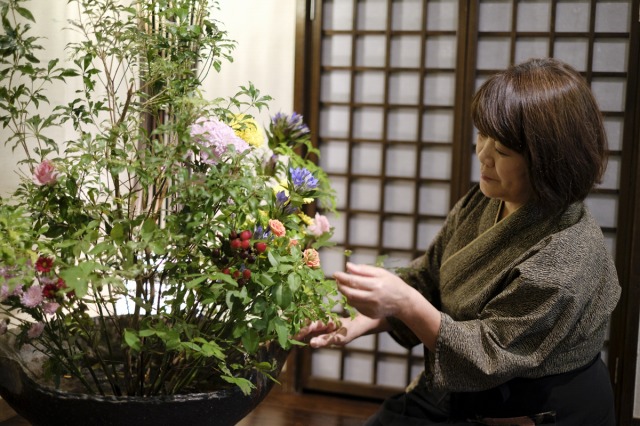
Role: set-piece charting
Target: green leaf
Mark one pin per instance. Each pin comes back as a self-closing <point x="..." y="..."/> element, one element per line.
<point x="283" y="333"/>
<point x="132" y="340"/>
<point x="25" y="13"/>
<point x="146" y="333"/>
<point x="245" y="385"/>
<point x="294" y="282"/>
<point x="250" y="340"/>
<point x="148" y="227"/>
<point x="195" y="282"/>
<point x="283" y="296"/>
<point x="274" y="262"/>
<point x="117" y="233"/>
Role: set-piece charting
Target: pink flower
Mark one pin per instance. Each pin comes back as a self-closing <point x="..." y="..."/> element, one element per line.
<point x="311" y="258"/>
<point x="45" y="174"/>
<point x="214" y="137"/>
<point x="277" y="228"/>
<point x="32" y="297"/>
<point x="50" y="307"/>
<point x="320" y="225"/>
<point x="35" y="330"/>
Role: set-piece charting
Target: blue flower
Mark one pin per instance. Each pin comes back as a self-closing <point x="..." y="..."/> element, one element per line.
<point x="302" y="179"/>
<point x="281" y="198"/>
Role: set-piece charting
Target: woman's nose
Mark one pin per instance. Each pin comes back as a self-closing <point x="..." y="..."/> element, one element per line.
<point x="484" y="154"/>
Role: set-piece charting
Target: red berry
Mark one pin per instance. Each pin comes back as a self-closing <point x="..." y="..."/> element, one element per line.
<point x="226" y="271"/>
<point x="246" y="244"/>
<point x="245" y="235"/>
<point x="236" y="274"/>
<point x="246" y="274"/>
<point x="233" y="235"/>
<point x="236" y="244"/>
<point x="260" y="247"/>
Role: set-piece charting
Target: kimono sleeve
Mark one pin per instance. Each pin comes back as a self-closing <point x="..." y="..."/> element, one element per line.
<point x="551" y="317"/>
<point x="423" y="273"/>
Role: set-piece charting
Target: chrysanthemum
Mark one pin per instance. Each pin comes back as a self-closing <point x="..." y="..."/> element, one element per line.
<point x="35" y="330"/>
<point x="246" y="127"/>
<point x="32" y="297"/>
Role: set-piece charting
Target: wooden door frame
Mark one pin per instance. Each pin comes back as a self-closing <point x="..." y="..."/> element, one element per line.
<point x="624" y="323"/>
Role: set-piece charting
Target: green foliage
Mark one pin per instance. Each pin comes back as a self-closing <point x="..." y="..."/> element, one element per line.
<point x="134" y="224"/>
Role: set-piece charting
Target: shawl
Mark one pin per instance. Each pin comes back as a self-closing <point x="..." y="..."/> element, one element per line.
<point x="528" y="296"/>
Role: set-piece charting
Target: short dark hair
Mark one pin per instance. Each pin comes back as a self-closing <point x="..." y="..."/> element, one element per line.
<point x="545" y="110"/>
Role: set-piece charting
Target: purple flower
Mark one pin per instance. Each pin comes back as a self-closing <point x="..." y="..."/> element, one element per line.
<point x="281" y="198"/>
<point x="50" y="308"/>
<point x="32" y="297"/>
<point x="35" y="330"/>
<point x="215" y="137"/>
<point x="289" y="127"/>
<point x="302" y="179"/>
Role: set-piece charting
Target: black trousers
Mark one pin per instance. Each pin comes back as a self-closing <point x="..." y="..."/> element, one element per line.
<point x="582" y="397"/>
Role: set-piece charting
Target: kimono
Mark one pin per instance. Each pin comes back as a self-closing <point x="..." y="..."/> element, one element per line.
<point x="522" y="299"/>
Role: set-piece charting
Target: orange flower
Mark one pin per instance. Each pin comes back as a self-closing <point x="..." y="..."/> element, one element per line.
<point x="311" y="258"/>
<point x="277" y="227"/>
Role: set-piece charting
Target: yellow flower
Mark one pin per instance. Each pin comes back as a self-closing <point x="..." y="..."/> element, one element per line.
<point x="306" y="219"/>
<point x="246" y="127"/>
<point x="281" y="186"/>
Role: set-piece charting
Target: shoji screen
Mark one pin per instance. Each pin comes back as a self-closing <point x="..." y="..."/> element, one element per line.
<point x="386" y="123"/>
<point x="389" y="102"/>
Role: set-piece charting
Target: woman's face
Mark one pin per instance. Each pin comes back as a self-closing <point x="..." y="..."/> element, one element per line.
<point x="503" y="173"/>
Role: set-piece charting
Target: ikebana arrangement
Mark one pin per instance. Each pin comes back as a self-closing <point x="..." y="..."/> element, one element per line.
<point x="158" y="240"/>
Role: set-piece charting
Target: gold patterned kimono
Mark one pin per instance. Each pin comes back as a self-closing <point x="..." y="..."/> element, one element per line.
<point x="525" y="297"/>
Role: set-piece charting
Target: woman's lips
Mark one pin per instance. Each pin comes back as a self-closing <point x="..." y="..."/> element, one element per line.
<point x="485" y="177"/>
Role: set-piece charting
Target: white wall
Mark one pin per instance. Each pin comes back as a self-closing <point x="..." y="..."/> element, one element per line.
<point x="263" y="29"/>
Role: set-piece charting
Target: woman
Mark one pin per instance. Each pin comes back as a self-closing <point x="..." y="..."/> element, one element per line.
<point x="513" y="297"/>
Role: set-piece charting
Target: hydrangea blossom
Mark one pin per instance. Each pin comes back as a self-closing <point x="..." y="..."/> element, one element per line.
<point x="215" y="137"/>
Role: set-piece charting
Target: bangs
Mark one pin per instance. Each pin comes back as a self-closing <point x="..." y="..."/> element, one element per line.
<point x="497" y="113"/>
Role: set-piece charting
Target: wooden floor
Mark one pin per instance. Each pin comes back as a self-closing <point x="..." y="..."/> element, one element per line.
<point x="278" y="409"/>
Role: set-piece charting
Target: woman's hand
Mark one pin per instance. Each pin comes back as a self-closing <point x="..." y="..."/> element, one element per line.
<point x="374" y="292"/>
<point x="377" y="294"/>
<point x="320" y="335"/>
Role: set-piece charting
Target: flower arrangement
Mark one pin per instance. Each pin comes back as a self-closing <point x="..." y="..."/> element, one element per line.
<point x="174" y="221"/>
